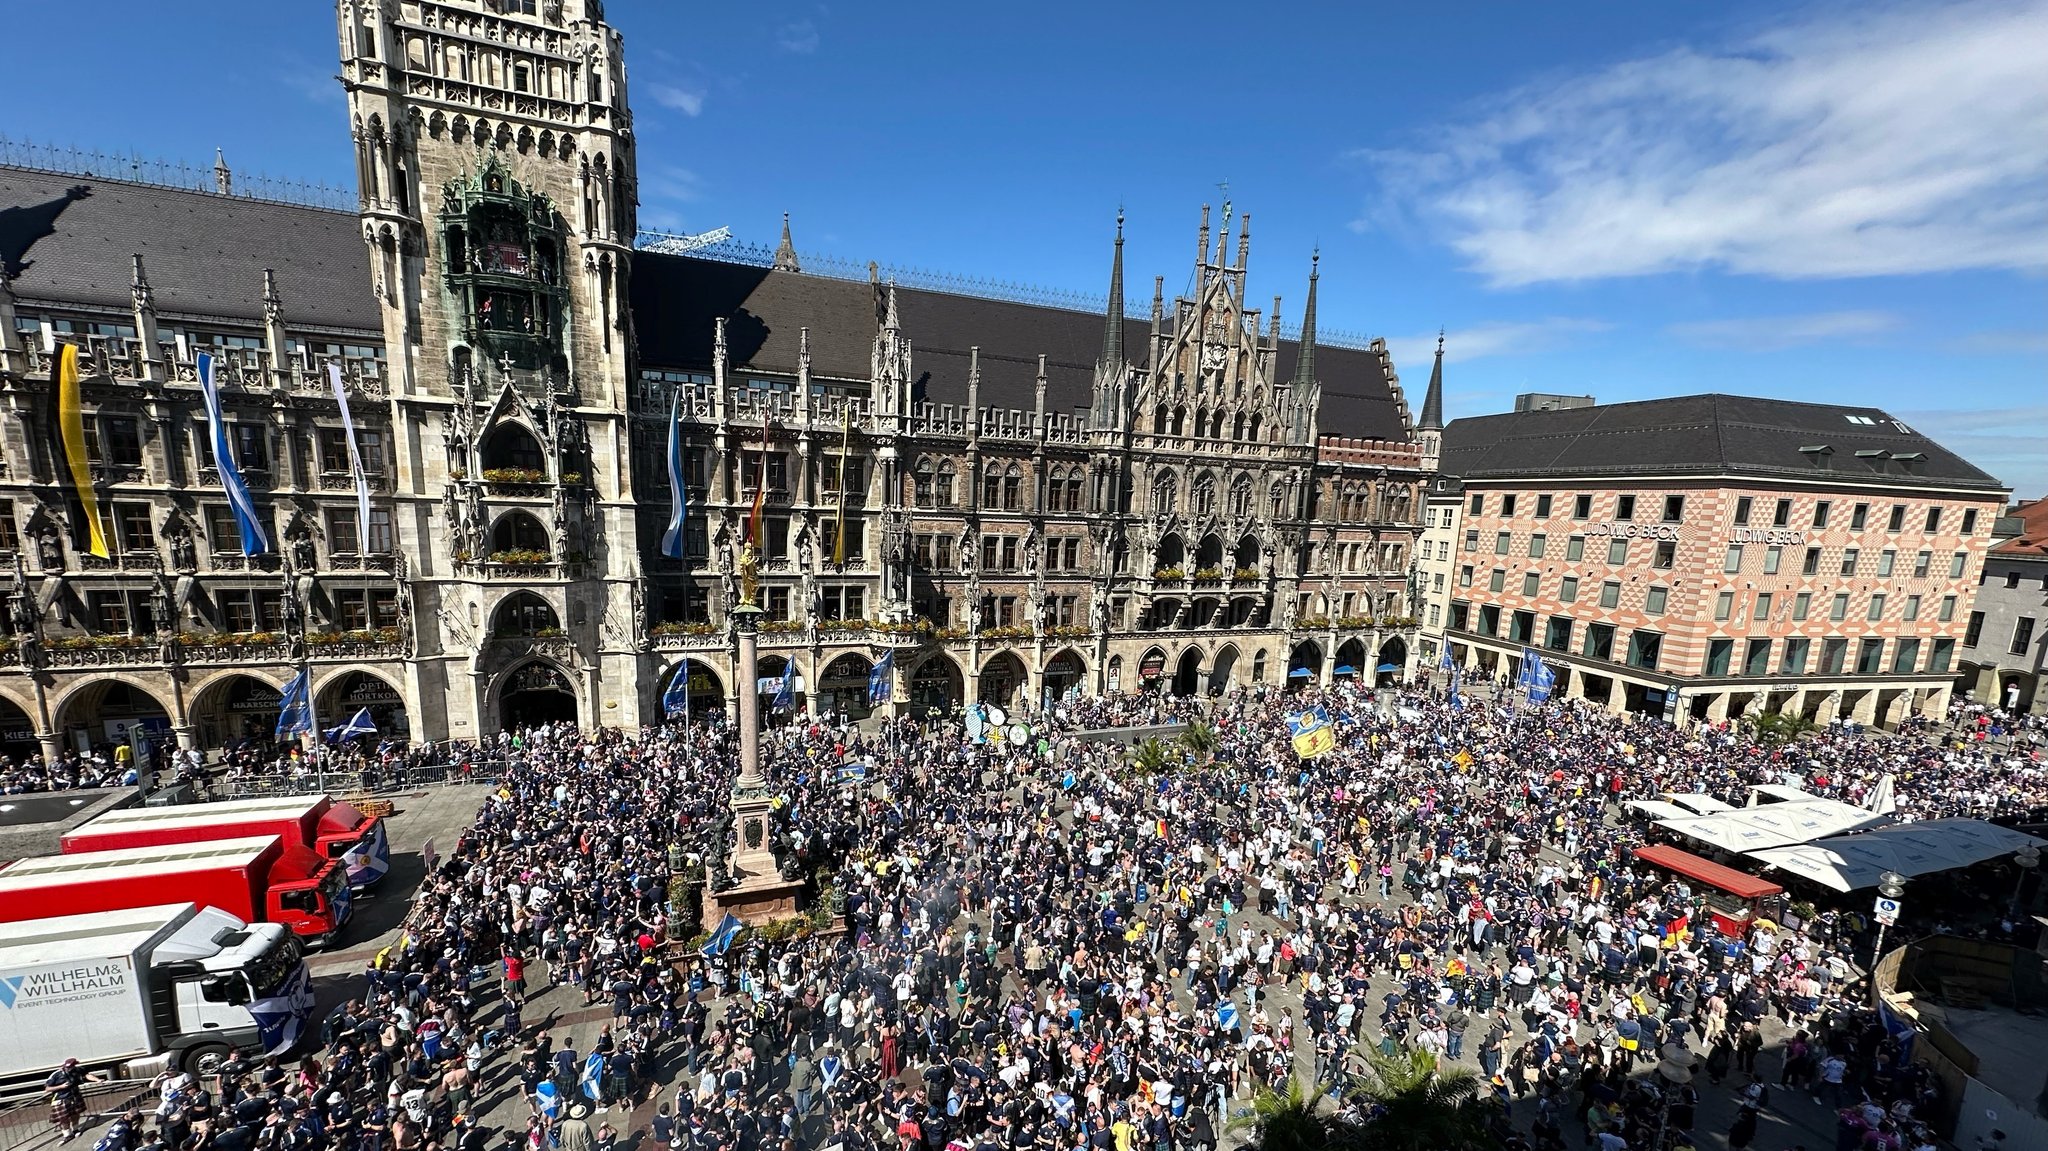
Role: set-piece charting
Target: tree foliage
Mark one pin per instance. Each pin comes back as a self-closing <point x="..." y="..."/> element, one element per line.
<point x="1776" y="727"/>
<point x="1150" y="756"/>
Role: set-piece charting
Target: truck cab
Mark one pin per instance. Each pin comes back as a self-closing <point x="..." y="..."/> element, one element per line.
<point x="253" y="991"/>
<point x="309" y="894"/>
<point x="359" y="841"/>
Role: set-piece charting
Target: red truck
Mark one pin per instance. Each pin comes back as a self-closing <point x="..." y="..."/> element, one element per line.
<point x="256" y="879"/>
<point x="333" y="829"/>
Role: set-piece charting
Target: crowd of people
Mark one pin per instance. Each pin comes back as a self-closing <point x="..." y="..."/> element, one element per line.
<point x="1040" y="947"/>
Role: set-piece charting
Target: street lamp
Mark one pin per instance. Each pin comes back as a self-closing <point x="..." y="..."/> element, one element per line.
<point x="2026" y="859"/>
<point x="1674" y="1070"/>
<point x="1891" y="885"/>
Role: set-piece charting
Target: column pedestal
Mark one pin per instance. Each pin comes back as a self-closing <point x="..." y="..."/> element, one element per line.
<point x="761" y="894"/>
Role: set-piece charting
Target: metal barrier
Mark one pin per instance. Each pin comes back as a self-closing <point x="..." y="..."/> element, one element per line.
<point x="25" y="1119"/>
<point x="373" y="780"/>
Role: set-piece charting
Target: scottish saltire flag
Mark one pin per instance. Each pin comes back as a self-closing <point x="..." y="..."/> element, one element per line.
<point x="1446" y="662"/>
<point x="281" y="1016"/>
<point x="549" y="1099"/>
<point x="255" y="541"/>
<point x="295" y="706"/>
<point x="355" y="462"/>
<point x="678" y="497"/>
<point x="722" y="939"/>
<point x="1226" y="1015"/>
<point x="676" y="700"/>
<point x="358" y="724"/>
<point x="880" y="679"/>
<point x="1457" y="701"/>
<point x="785" y="693"/>
<point x="591" y="1081"/>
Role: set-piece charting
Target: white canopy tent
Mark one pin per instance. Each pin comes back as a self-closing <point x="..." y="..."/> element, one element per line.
<point x="1698" y="802"/>
<point x="1851" y="862"/>
<point x="1749" y="829"/>
<point x="1657" y="809"/>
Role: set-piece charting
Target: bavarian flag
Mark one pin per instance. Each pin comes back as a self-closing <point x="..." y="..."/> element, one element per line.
<point x="1312" y="732"/>
<point x="68" y="457"/>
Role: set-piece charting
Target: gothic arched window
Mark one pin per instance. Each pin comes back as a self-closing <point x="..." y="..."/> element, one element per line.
<point x="922" y="483"/>
<point x="943" y="490"/>
<point x="1241" y="497"/>
<point x="1204" y="502"/>
<point x="1165" y="494"/>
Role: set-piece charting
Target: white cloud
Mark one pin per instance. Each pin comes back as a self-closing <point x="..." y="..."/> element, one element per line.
<point x="687" y="100"/>
<point x="671" y="182"/>
<point x="1898" y="139"/>
<point x="1479" y="341"/>
<point x="798" y="36"/>
<point x="1774" y="333"/>
<point x="2015" y="342"/>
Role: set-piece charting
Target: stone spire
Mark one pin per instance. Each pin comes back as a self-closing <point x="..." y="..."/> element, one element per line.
<point x="785" y="252"/>
<point x="223" y="179"/>
<point x="1113" y="316"/>
<point x="1433" y="400"/>
<point x="1305" y="363"/>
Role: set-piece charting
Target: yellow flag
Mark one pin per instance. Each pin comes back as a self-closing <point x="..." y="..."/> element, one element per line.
<point x="85" y="506"/>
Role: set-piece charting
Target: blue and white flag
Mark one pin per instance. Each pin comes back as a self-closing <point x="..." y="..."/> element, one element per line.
<point x="549" y="1098"/>
<point x="785" y="693"/>
<point x="1067" y="781"/>
<point x="1446" y="662"/>
<point x="591" y="1082"/>
<point x="358" y="724"/>
<point x="1226" y="1015"/>
<point x="721" y="940"/>
<point x="1457" y="701"/>
<point x="882" y="679"/>
<point x="678" y="498"/>
<point x="295" y="706"/>
<point x="281" y="1016"/>
<point x="255" y="541"/>
<point x="1541" y="679"/>
<point x="676" y="700"/>
<point x="355" y="462"/>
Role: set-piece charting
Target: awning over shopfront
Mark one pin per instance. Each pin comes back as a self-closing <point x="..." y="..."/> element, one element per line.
<point x="1740" y="884"/>
<point x="1852" y="862"/>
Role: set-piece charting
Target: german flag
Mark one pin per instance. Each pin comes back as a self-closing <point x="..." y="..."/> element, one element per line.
<point x="68" y="458"/>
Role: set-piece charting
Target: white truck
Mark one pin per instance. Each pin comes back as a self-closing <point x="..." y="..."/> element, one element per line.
<point x="136" y="991"/>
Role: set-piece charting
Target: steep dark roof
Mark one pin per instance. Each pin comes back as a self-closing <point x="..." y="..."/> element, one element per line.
<point x="1708" y="434"/>
<point x="204" y="253"/>
<point x="677" y="299"/>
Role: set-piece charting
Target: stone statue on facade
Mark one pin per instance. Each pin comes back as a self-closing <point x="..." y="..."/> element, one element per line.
<point x="184" y="553"/>
<point x="750" y="575"/>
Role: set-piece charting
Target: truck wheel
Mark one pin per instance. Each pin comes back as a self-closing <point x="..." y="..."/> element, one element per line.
<point x="205" y="1060"/>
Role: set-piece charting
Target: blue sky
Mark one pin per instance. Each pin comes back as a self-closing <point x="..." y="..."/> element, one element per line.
<point x="1837" y="202"/>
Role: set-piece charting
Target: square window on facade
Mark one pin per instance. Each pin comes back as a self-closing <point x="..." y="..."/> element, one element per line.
<point x="1610" y="594"/>
<point x="1617" y="552"/>
<point x="1655" y="599"/>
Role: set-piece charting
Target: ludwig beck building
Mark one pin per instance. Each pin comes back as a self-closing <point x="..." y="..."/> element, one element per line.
<point x="1010" y="499"/>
